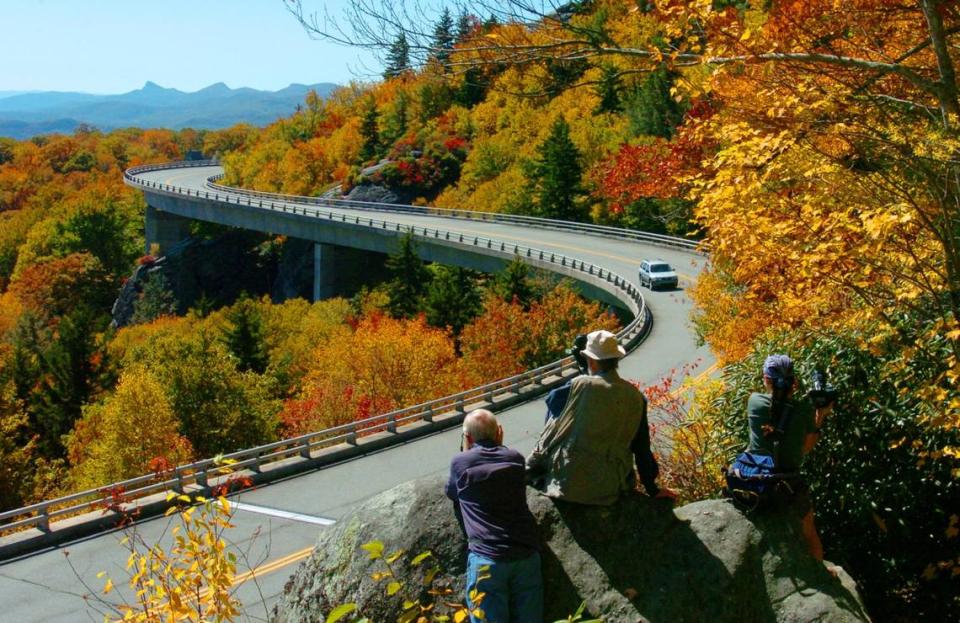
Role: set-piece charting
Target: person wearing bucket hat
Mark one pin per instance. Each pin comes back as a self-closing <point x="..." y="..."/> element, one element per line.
<point x="587" y="454"/>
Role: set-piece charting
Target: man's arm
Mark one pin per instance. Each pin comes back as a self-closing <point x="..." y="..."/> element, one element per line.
<point x="451" y="490"/>
<point x="642" y="455"/>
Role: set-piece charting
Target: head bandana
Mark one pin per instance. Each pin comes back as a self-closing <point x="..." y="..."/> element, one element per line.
<point x="779" y="369"/>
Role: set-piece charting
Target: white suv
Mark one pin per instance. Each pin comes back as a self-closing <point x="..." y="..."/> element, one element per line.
<point x="657" y="274"/>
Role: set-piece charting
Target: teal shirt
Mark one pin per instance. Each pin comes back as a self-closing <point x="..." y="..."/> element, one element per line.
<point x="802" y="423"/>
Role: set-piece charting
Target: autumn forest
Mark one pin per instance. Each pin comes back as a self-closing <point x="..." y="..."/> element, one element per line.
<point x="810" y="146"/>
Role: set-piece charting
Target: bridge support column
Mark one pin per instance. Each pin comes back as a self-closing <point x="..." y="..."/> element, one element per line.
<point x="342" y="271"/>
<point x="324" y="271"/>
<point x="164" y="229"/>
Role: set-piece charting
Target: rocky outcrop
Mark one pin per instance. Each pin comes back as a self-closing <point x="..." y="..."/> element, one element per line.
<point x="373" y="193"/>
<point x="123" y="307"/>
<point x="639" y="560"/>
<point x="223" y="266"/>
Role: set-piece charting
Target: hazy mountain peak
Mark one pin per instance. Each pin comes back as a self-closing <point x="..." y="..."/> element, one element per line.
<point x="152" y="86"/>
<point x="217" y="87"/>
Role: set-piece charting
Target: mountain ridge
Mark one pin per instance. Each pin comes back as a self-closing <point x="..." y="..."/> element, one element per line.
<point x="212" y="107"/>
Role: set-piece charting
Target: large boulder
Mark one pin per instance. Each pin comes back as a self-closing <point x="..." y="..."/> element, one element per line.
<point x="639" y="560"/>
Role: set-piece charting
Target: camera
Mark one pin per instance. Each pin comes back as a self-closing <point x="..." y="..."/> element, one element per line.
<point x="579" y="343"/>
<point x="821" y="393"/>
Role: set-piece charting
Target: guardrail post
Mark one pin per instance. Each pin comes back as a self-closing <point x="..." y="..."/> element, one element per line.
<point x="427" y="415"/>
<point x="352" y="438"/>
<point x="490" y="395"/>
<point x="201" y="478"/>
<point x="305" y="449"/>
<point x="392" y="424"/>
<point x="459" y="406"/>
<point x="179" y="486"/>
<point x="43" y="518"/>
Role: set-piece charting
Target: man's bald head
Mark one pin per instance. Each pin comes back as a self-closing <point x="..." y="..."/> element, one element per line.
<point x="481" y="425"/>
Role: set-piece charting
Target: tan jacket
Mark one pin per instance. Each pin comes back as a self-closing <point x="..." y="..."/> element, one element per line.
<point x="585" y="452"/>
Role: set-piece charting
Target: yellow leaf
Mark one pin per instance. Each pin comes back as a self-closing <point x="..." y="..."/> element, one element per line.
<point x="374" y="549"/>
<point x="460" y="616"/>
<point x="108" y="587"/>
<point x="392" y="588"/>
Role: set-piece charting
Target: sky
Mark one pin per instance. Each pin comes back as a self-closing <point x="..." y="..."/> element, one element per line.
<point x="114" y="46"/>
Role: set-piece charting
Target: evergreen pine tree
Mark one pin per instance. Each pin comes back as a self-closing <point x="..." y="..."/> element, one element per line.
<point x="513" y="284"/>
<point x="70" y="368"/>
<point x="443" y="37"/>
<point x="244" y="336"/>
<point x="369" y="132"/>
<point x="155" y="300"/>
<point x="410" y="279"/>
<point x="398" y="58"/>
<point x="473" y="88"/>
<point x="608" y="90"/>
<point x="395" y="124"/>
<point x="466" y="24"/>
<point x="27" y="348"/>
<point x="453" y="298"/>
<point x="651" y="109"/>
<point x="557" y="176"/>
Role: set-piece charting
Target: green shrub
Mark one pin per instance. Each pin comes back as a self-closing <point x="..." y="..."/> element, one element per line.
<point x="884" y="475"/>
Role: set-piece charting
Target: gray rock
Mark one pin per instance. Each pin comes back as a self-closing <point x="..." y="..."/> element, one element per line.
<point x="639" y="560"/>
<point x="373" y="193"/>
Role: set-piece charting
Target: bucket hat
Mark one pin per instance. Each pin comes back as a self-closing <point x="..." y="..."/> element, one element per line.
<point x="603" y="345"/>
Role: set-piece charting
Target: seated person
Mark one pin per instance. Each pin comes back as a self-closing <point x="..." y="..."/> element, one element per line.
<point x="587" y="454"/>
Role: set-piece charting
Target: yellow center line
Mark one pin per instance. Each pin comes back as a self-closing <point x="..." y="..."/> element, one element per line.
<point x="273" y="565"/>
<point x="694" y="382"/>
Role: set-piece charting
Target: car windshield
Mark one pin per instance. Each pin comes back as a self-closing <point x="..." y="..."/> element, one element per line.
<point x="660" y="268"/>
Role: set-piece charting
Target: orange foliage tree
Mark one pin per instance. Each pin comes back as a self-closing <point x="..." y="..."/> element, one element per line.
<point x="384" y="364"/>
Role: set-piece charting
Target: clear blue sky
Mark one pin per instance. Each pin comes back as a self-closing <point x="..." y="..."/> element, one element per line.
<point x="114" y="46"/>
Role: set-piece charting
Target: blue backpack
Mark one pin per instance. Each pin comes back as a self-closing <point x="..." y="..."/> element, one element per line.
<point x="752" y="479"/>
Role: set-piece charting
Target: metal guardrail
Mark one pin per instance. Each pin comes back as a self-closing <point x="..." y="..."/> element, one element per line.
<point x="473" y="215"/>
<point x="454" y="406"/>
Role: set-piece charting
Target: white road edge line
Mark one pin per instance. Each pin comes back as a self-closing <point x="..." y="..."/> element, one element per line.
<point x="276" y="512"/>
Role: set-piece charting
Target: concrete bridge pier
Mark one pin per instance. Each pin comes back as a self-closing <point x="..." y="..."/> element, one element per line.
<point x="164" y="229"/>
<point x="339" y="271"/>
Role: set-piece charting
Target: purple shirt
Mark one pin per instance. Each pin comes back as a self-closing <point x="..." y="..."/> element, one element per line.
<point x="489" y="491"/>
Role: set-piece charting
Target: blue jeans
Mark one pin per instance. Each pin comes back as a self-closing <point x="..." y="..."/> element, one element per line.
<point x="512" y="594"/>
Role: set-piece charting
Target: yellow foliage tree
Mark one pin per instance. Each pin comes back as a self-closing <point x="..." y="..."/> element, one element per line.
<point x="132" y="433"/>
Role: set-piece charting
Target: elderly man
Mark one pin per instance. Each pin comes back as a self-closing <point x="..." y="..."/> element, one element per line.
<point x="488" y="487"/>
<point x="587" y="454"/>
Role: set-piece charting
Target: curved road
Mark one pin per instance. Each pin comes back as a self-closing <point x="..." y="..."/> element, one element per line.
<point x="277" y="524"/>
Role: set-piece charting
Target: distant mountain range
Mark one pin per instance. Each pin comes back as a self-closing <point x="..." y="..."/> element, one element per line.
<point x="23" y="115"/>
